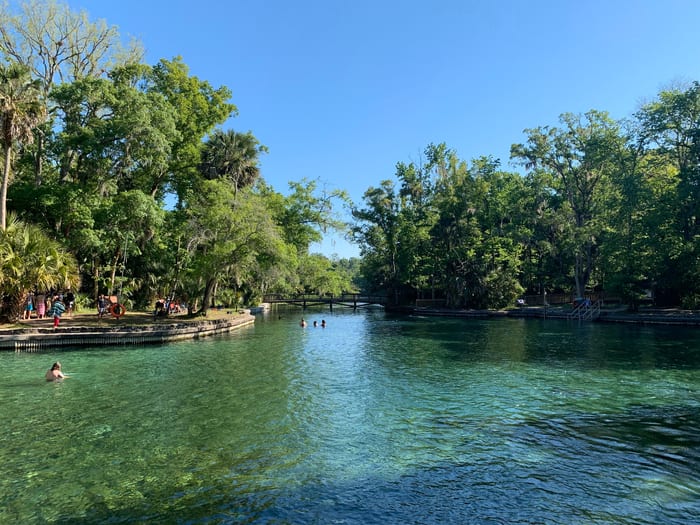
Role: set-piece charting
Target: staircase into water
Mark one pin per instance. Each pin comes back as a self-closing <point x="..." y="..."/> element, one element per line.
<point x="586" y="311"/>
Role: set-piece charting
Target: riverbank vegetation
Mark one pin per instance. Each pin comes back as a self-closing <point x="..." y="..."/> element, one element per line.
<point x="124" y="173"/>
<point x="122" y="178"/>
<point x="604" y="205"/>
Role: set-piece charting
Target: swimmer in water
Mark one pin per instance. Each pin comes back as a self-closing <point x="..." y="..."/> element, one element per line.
<point x="54" y="373"/>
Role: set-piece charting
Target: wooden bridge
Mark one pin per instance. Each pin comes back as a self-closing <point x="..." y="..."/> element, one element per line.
<point x="353" y="301"/>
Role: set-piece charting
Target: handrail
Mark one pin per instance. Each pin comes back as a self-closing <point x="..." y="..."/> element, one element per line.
<point x="273" y="298"/>
<point x="586" y="311"/>
<point x="346" y="300"/>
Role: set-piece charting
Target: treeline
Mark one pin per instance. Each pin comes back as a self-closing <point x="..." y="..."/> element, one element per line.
<point x="118" y="178"/>
<point x="603" y="205"/>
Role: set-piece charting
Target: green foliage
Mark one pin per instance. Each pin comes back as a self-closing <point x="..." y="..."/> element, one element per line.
<point x="229" y="232"/>
<point x="20" y="112"/>
<point x="94" y="143"/>
<point x="232" y="156"/>
<point x="448" y="232"/>
<point x="30" y="260"/>
<point x="581" y="155"/>
<point x="198" y="108"/>
<point x="321" y="276"/>
<point x="123" y="138"/>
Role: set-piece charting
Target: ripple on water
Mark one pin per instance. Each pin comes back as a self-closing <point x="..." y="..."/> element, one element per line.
<point x="372" y="420"/>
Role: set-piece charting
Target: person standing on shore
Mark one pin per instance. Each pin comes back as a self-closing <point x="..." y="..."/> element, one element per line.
<point x="70" y="302"/>
<point x="28" y="306"/>
<point x="40" y="306"/>
<point x="57" y="310"/>
<point x="101" y="306"/>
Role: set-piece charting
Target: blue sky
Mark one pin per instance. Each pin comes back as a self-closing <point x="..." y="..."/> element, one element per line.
<point x="341" y="91"/>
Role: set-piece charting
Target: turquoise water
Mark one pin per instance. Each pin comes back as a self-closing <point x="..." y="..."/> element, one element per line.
<point x="374" y="419"/>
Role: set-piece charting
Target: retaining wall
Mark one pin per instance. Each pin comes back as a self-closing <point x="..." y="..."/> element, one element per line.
<point x="35" y="340"/>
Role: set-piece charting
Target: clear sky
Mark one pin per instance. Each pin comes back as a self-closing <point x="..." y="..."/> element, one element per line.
<point x="341" y="91"/>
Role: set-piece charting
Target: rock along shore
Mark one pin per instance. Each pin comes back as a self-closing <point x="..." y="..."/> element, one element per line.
<point x="72" y="334"/>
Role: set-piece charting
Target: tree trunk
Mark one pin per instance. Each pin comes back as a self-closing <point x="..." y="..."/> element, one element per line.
<point x="96" y="284"/>
<point x="113" y="276"/>
<point x="38" y="165"/>
<point x="11" y="309"/>
<point x="5" y="184"/>
<point x="208" y="292"/>
<point x="214" y="293"/>
<point x="578" y="276"/>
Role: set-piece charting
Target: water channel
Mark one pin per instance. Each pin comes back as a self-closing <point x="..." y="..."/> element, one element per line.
<point x="373" y="419"/>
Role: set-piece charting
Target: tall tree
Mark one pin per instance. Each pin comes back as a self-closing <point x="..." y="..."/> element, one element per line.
<point x="115" y="136"/>
<point x="376" y="230"/>
<point x="580" y="155"/>
<point x="228" y="234"/>
<point x="198" y="109"/>
<point x="671" y="125"/>
<point x="457" y="236"/>
<point x="59" y="45"/>
<point x="305" y="213"/>
<point x="232" y="156"/>
<point x="20" y="112"/>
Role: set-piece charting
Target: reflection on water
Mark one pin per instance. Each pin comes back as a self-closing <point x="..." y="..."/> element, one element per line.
<point x="373" y="419"/>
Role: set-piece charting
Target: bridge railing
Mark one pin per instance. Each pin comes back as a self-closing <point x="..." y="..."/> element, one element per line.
<point x="344" y="298"/>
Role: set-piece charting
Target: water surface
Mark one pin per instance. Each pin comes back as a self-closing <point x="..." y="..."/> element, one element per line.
<point x="374" y="419"/>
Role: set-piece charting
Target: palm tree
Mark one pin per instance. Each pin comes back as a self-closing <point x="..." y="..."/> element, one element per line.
<point x="20" y="112"/>
<point x="232" y="156"/>
<point x="30" y="260"/>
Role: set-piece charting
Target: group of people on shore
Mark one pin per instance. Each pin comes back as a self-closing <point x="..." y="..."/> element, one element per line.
<point x="165" y="307"/>
<point x="304" y="324"/>
<point x="49" y="304"/>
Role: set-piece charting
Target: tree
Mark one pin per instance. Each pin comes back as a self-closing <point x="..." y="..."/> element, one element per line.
<point x="20" y="112"/>
<point x="453" y="229"/>
<point x="376" y="230"/>
<point x="228" y="234"/>
<point x="305" y="213"/>
<point x="457" y="236"/>
<point x="115" y="136"/>
<point x="580" y="155"/>
<point x="198" y="109"/>
<point x="545" y="264"/>
<point x="672" y="127"/>
<point x="626" y="247"/>
<point x="232" y="156"/>
<point x="58" y="45"/>
<point x="128" y="223"/>
<point x="322" y="276"/>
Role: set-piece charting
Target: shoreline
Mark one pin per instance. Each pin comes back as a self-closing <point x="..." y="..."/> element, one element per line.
<point x="134" y="329"/>
<point x="141" y="328"/>
<point x="649" y="316"/>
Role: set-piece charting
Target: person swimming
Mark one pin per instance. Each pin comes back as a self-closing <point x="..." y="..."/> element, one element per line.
<point x="54" y="373"/>
<point x="302" y="323"/>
